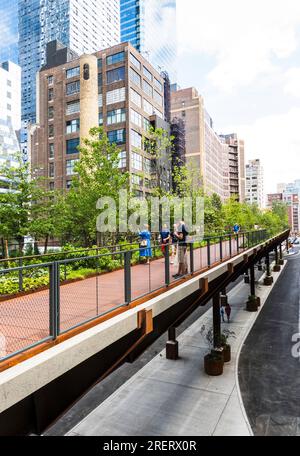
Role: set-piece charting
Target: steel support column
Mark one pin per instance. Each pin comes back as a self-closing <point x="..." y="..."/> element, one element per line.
<point x="268" y="279"/>
<point x="216" y="320"/>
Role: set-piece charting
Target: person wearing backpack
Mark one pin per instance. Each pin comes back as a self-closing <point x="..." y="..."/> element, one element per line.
<point x="181" y="235"/>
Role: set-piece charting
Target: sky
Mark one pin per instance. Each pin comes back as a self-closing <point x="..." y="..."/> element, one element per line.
<point x="244" y="58"/>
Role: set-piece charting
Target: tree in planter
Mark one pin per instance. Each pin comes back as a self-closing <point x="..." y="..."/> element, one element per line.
<point x="213" y="361"/>
<point x="97" y="175"/>
<point x="17" y="204"/>
<point x="226" y="334"/>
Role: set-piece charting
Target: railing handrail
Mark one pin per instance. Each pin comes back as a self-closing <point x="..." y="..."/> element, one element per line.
<point x="120" y="252"/>
<point x="41" y="255"/>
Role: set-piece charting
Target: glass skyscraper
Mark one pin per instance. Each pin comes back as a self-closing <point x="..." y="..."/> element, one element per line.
<point x="150" y="26"/>
<point x="9" y="30"/>
<point x="84" y="26"/>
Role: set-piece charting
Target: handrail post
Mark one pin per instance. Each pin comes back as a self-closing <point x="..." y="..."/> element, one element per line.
<point x="53" y="301"/>
<point x="221" y="248"/>
<point x="208" y="253"/>
<point x="237" y="243"/>
<point x="167" y="265"/>
<point x="21" y="274"/>
<point x="127" y="276"/>
<point x="243" y="240"/>
<point x="192" y="257"/>
<point x="230" y="245"/>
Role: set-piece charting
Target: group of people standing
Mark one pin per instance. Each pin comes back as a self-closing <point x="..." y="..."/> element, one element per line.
<point x="176" y="240"/>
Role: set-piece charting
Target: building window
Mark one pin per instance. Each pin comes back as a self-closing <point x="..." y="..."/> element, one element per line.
<point x="115" y="96"/>
<point x="115" y="75"/>
<point x="8" y="107"/>
<point x="51" y="150"/>
<point x="100" y="82"/>
<point x="116" y="116"/>
<point x="135" y="98"/>
<point x="100" y="118"/>
<point x="147" y="73"/>
<point x="8" y="83"/>
<point x="51" y="186"/>
<point x="86" y="71"/>
<point x="72" y="126"/>
<point x="73" y="87"/>
<point x="122" y="159"/>
<point x="135" y="61"/>
<point x="8" y="95"/>
<point x="73" y="72"/>
<point x="147" y="124"/>
<point x="51" y="131"/>
<point x="136" y="161"/>
<point x="117" y="136"/>
<point x="136" y="180"/>
<point x="50" y="112"/>
<point x="71" y="146"/>
<point x="100" y="64"/>
<point x="73" y="107"/>
<point x="50" y="80"/>
<point x="147" y="165"/>
<point x="136" y="139"/>
<point x="135" y="77"/>
<point x="51" y="169"/>
<point x="158" y="98"/>
<point x="70" y="164"/>
<point x="115" y="58"/>
<point x="148" y="89"/>
<point x="68" y="184"/>
<point x="158" y="84"/>
<point x="50" y="94"/>
<point x="148" y="108"/>
<point x="135" y="118"/>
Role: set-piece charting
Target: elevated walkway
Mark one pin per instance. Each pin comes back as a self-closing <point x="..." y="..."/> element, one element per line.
<point x="34" y="392"/>
<point x="177" y="398"/>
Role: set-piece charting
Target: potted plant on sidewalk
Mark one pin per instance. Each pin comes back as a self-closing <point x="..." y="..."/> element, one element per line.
<point x="224" y="343"/>
<point x="252" y="303"/>
<point x="213" y="361"/>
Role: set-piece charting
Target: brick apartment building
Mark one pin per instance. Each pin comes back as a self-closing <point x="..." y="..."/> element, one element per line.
<point x="116" y="88"/>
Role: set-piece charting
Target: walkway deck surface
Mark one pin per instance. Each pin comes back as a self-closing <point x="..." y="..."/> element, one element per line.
<point x="24" y="320"/>
<point x="177" y="398"/>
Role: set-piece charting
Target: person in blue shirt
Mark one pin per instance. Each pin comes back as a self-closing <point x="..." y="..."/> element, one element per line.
<point x="236" y="228"/>
<point x="145" y="244"/>
<point x="165" y="237"/>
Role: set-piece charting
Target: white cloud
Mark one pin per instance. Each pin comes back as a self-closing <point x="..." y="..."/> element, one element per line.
<point x="275" y="140"/>
<point x="242" y="36"/>
<point x="292" y="82"/>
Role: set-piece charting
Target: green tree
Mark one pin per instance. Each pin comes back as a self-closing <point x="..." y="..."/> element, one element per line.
<point x="23" y="200"/>
<point x="98" y="175"/>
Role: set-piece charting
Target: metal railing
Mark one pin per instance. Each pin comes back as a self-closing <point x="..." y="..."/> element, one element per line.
<point x="42" y="301"/>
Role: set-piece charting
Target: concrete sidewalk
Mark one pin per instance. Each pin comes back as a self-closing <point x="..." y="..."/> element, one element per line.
<point x="177" y="398"/>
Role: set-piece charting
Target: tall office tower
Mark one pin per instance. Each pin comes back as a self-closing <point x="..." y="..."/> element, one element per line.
<point x="10" y="115"/>
<point x="254" y="183"/>
<point x="236" y="157"/>
<point x="150" y="26"/>
<point x="84" y="26"/>
<point x="9" y="30"/>
<point x="122" y="92"/>
<point x="204" y="151"/>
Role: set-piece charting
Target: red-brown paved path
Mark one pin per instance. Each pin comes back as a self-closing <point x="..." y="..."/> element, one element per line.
<point x="25" y="320"/>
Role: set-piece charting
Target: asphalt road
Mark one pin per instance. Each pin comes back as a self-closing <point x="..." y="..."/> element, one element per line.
<point x="269" y="375"/>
